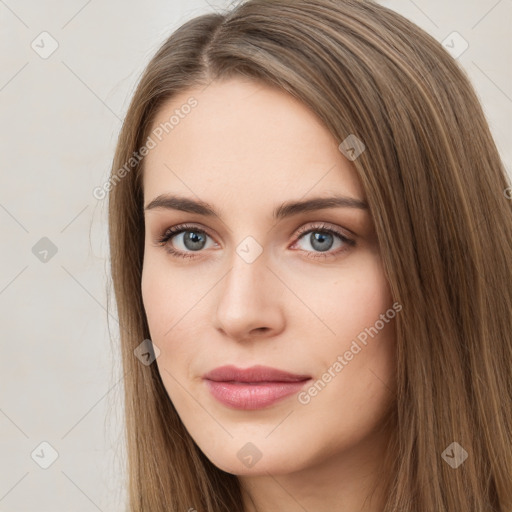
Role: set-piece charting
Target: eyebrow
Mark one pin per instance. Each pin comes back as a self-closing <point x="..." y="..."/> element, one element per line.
<point x="286" y="209"/>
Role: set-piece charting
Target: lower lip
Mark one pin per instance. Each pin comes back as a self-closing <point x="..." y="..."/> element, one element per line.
<point x="242" y="395"/>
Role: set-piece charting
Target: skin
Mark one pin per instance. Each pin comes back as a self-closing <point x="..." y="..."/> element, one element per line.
<point x="246" y="148"/>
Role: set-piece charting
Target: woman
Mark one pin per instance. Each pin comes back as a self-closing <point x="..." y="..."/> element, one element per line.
<point x="309" y="219"/>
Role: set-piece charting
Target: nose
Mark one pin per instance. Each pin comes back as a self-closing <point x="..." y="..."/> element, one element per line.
<point x="249" y="301"/>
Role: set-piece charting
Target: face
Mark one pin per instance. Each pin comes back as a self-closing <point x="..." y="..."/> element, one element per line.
<point x="263" y="283"/>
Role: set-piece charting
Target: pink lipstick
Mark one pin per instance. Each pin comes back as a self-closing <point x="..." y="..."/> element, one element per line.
<point x="252" y="388"/>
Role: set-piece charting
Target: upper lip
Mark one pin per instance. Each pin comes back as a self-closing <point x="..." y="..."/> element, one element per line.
<point x="256" y="373"/>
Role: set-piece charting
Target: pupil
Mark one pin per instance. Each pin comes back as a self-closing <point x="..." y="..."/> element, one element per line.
<point x="318" y="241"/>
<point x="194" y="239"/>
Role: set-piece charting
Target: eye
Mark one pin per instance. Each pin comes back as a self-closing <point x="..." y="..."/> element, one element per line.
<point x="322" y="238"/>
<point x="194" y="240"/>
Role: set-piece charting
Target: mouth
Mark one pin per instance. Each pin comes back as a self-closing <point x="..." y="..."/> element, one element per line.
<point x="252" y="388"/>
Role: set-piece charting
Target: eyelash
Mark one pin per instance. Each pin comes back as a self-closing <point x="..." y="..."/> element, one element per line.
<point x="321" y="228"/>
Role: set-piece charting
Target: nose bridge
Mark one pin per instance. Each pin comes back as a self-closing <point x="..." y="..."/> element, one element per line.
<point x="248" y="263"/>
<point x="246" y="301"/>
<point x="246" y="278"/>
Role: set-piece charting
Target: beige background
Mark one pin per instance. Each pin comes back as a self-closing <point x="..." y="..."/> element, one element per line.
<point x="61" y="115"/>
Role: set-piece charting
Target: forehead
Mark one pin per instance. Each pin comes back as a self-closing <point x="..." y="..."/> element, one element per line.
<point x="244" y="142"/>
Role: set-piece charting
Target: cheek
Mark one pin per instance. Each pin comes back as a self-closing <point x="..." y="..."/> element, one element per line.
<point x="166" y="315"/>
<point x="357" y="309"/>
<point x="366" y="328"/>
<point x="365" y="300"/>
<point x="166" y="294"/>
<point x="349" y="300"/>
<point x="174" y="311"/>
<point x="153" y="298"/>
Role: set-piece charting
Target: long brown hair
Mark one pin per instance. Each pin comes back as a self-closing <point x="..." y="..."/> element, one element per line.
<point x="436" y="188"/>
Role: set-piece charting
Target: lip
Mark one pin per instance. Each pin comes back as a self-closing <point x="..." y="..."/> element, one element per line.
<point x="252" y="388"/>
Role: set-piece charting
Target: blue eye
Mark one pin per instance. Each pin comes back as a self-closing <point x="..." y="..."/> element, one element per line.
<point x="321" y="239"/>
<point x="194" y="240"/>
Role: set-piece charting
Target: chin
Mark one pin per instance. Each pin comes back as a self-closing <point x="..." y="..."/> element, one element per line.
<point x="249" y="460"/>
